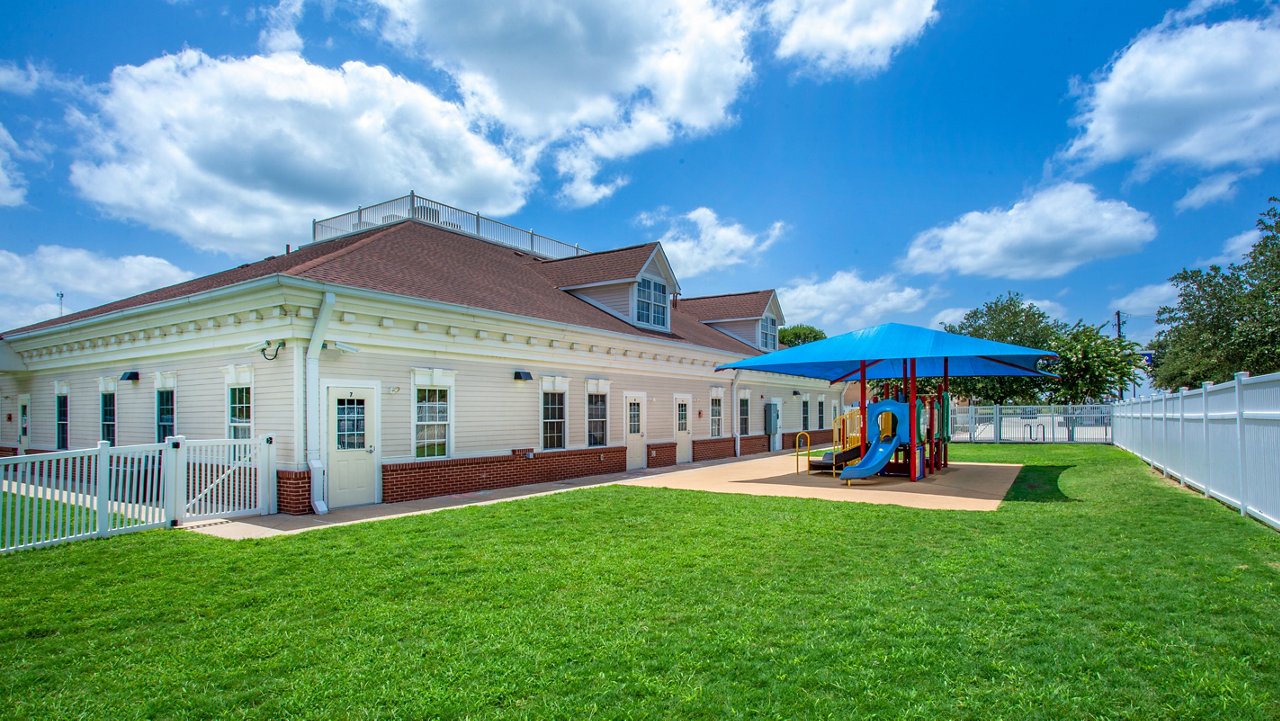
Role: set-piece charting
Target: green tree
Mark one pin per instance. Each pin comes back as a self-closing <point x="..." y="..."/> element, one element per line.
<point x="794" y="335"/>
<point x="1008" y="319"/>
<point x="1225" y="319"/>
<point x="1092" y="365"/>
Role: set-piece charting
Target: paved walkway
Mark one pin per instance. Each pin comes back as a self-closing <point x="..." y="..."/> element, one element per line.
<point x="963" y="486"/>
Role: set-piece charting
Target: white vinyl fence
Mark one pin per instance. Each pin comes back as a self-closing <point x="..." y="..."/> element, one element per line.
<point x="49" y="498"/>
<point x="1031" y="424"/>
<point x="1222" y="440"/>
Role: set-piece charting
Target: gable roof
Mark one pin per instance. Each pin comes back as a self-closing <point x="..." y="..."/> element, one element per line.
<point x="426" y="262"/>
<point x="622" y="264"/>
<point x="731" y="306"/>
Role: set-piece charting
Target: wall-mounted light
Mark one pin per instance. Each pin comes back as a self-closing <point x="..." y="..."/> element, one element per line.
<point x="131" y="376"/>
<point x="523" y="376"/>
<point x="795" y="393"/>
<point x="394" y="389"/>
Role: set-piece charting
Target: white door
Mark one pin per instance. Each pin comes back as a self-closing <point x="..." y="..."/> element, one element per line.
<point x="352" y="457"/>
<point x="775" y="430"/>
<point x="684" y="436"/>
<point x="634" y="412"/>
<point x="24" y="420"/>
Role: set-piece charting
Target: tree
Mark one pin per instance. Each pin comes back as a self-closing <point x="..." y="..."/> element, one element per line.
<point x="1225" y="319"/>
<point x="794" y="335"/>
<point x="1008" y="319"/>
<point x="1092" y="365"/>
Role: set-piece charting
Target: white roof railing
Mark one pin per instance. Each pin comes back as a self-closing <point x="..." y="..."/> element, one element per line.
<point x="429" y="211"/>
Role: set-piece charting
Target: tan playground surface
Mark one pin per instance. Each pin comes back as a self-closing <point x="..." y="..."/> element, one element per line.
<point x="959" y="487"/>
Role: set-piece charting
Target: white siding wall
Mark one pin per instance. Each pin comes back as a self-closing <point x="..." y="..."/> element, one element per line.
<point x="747" y="330"/>
<point x="614" y="297"/>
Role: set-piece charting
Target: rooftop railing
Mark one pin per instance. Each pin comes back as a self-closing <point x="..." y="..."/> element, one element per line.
<point x="446" y="216"/>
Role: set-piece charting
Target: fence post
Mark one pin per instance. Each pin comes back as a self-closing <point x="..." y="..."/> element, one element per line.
<point x="1182" y="435"/>
<point x="1164" y="434"/>
<point x="1204" y="410"/>
<point x="997" y="424"/>
<point x="104" y="488"/>
<point x="1240" y="444"/>
<point x="178" y="490"/>
<point x="265" y="476"/>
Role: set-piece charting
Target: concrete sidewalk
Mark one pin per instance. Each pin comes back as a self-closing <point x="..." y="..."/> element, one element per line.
<point x="963" y="486"/>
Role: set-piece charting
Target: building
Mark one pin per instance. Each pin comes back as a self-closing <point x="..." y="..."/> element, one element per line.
<point x="415" y="350"/>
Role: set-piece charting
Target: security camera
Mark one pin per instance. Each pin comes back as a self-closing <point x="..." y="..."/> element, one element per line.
<point x="344" y="347"/>
<point x="258" y="346"/>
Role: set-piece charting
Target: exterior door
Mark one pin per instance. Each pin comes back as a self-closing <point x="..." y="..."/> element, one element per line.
<point x="635" y="419"/>
<point x="24" y="421"/>
<point x="684" y="434"/>
<point x="772" y="426"/>
<point x="353" y="460"/>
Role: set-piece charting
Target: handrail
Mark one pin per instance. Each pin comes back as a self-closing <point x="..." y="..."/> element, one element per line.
<point x="446" y="216"/>
<point x="808" y="446"/>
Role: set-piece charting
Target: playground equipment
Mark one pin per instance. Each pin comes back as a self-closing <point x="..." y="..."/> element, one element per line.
<point x="846" y="445"/>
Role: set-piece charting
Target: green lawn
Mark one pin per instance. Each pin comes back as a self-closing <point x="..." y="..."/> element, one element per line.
<point x="1096" y="591"/>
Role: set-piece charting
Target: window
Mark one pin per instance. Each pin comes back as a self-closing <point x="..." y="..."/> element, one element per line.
<point x="552" y="421"/>
<point x="431" y="423"/>
<point x="597" y="419"/>
<point x="165" y="426"/>
<point x="717" y="417"/>
<point x="822" y="414"/>
<point x="769" y="333"/>
<point x="239" y="412"/>
<point x="682" y="416"/>
<point x="804" y="415"/>
<point x="350" y="424"/>
<point x="744" y="416"/>
<point x="633" y="417"/>
<point x="108" y="417"/>
<point x="651" y="302"/>
<point x="63" y="423"/>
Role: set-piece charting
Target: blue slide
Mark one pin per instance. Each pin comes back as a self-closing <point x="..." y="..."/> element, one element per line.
<point x="881" y="450"/>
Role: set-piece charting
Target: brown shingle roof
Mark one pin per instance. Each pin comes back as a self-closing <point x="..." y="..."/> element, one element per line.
<point x="422" y="261"/>
<point x="620" y="264"/>
<point x="751" y="304"/>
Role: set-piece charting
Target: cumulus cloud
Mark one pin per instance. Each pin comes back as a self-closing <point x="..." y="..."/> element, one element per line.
<point x="19" y="80"/>
<point x="1212" y="189"/>
<point x="33" y="278"/>
<point x="949" y="316"/>
<point x="280" y="35"/>
<point x="1052" y="308"/>
<point x="1234" y="249"/>
<point x="846" y="36"/>
<point x="699" y="242"/>
<point x="13" y="186"/>
<point x="594" y="80"/>
<point x="846" y="300"/>
<point x="234" y="154"/>
<point x="1183" y="94"/>
<point x="1147" y="299"/>
<point x="1045" y="235"/>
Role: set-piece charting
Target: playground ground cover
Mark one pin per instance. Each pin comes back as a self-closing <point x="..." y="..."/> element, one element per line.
<point x="1097" y="590"/>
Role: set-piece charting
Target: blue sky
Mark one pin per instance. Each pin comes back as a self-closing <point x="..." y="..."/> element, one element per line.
<point x="874" y="160"/>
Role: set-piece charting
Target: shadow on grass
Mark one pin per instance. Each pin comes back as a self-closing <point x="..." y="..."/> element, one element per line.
<point x="1039" y="484"/>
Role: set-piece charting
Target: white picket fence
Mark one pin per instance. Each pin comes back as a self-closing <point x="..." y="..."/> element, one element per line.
<point x="50" y="498"/>
<point x="1031" y="424"/>
<point x="1223" y="440"/>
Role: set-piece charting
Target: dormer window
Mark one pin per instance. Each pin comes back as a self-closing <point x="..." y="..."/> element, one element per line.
<point x="769" y="333"/>
<point x="651" y="302"/>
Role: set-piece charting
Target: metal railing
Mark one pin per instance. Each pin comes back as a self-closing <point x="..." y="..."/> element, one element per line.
<point x="1031" y="424"/>
<point x="446" y="216"/>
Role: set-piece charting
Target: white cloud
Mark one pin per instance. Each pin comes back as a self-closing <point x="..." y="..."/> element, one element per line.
<point x="1213" y="188"/>
<point x="1052" y="308"/>
<point x="1234" y="249"/>
<point x="1044" y="236"/>
<point x="34" y="279"/>
<point x="950" y="316"/>
<point x="19" y="80"/>
<point x="13" y="187"/>
<point x="699" y="242"/>
<point x="281" y="32"/>
<point x="846" y="36"/>
<point x="846" y="300"/>
<point x="593" y="80"/>
<point x="1187" y="94"/>
<point x="234" y="154"/>
<point x="1147" y="299"/>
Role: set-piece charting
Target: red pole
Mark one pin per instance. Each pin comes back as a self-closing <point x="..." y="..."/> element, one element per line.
<point x="862" y="404"/>
<point x="911" y="418"/>
<point x="946" y="386"/>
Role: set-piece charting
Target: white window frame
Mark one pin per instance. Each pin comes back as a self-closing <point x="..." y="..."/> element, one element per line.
<point x="822" y="413"/>
<point x="743" y="419"/>
<point x="769" y="332"/>
<point x="665" y="303"/>
<point x="596" y="387"/>
<point x="427" y="379"/>
<point x="107" y="386"/>
<point x="61" y="390"/>
<point x="238" y="376"/>
<point x="165" y="381"/>
<point x="804" y="412"/>
<point x="558" y="385"/>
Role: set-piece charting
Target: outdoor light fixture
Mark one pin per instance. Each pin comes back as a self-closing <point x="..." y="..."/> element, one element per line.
<point x="523" y="376"/>
<point x="344" y="347"/>
<point x="795" y="393"/>
<point x="130" y="376"/>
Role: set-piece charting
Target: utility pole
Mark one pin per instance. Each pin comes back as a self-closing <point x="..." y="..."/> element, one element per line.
<point x="1120" y="334"/>
<point x="60" y="304"/>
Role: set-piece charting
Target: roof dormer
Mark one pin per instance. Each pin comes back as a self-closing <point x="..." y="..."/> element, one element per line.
<point x="635" y="284"/>
<point x="753" y="318"/>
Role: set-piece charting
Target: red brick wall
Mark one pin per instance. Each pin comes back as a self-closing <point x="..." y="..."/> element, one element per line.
<point x="293" y="492"/>
<point x="712" y="448"/>
<point x="423" y="479"/>
<point x="816" y="438"/>
<point x="8" y="451"/>
<point x="661" y="454"/>
<point x="753" y="444"/>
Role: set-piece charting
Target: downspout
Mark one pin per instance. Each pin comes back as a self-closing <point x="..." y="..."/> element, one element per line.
<point x="312" y="373"/>
<point x="733" y="399"/>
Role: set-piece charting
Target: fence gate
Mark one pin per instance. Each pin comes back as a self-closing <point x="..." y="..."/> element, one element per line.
<point x="223" y="479"/>
<point x="1031" y="424"/>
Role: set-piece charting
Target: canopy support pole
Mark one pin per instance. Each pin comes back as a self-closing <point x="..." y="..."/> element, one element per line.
<point x="911" y="419"/>
<point x="946" y="388"/>
<point x="862" y="406"/>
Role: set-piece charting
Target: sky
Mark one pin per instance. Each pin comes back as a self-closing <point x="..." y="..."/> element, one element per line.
<point x="873" y="160"/>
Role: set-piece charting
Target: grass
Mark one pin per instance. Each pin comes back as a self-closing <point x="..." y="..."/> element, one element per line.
<point x="1096" y="591"/>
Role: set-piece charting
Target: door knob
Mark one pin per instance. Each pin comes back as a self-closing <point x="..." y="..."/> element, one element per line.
<point x="370" y="449"/>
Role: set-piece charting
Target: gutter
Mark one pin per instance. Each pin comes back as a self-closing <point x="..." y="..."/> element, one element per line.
<point x="311" y="371"/>
<point x="733" y="393"/>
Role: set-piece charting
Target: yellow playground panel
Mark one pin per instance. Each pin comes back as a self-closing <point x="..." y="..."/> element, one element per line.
<point x="846" y="434"/>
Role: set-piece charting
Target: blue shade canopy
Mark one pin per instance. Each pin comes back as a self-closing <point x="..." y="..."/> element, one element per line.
<point x="885" y="347"/>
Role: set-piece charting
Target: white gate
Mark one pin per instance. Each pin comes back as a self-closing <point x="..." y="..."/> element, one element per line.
<point x="1031" y="424"/>
<point x="223" y="478"/>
